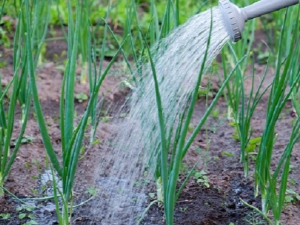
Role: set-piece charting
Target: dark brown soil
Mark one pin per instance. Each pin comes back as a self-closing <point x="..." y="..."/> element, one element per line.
<point x="209" y="206"/>
<point x="217" y="205"/>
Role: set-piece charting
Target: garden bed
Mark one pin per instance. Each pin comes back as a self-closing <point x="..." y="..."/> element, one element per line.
<point x="215" y="200"/>
<point x="217" y="203"/>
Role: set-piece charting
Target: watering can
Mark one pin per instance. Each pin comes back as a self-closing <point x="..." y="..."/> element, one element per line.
<point x="235" y="17"/>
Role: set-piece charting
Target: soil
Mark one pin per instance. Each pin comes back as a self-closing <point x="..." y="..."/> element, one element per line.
<point x="217" y="204"/>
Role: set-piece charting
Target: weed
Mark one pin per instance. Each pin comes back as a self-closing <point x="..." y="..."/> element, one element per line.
<point x="215" y="113"/>
<point x="293" y="182"/>
<point x="92" y="191"/>
<point x="96" y="142"/>
<point x="105" y="119"/>
<point x="5" y="216"/>
<point x="81" y="97"/>
<point x="291" y="196"/>
<point x="152" y="195"/>
<point x="254" y="218"/>
<point x="34" y="191"/>
<point x="183" y="209"/>
<point x="31" y="222"/>
<point x="201" y="178"/>
<point x="37" y="164"/>
<point x="228" y="154"/>
<point x="25" y="212"/>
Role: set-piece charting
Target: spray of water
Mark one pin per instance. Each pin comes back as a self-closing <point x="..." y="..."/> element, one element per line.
<point x="121" y="174"/>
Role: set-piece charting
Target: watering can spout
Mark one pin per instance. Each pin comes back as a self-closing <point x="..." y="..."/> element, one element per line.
<point x="235" y="17"/>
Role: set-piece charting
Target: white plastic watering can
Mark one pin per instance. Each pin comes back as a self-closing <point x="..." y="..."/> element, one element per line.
<point x="235" y="17"/>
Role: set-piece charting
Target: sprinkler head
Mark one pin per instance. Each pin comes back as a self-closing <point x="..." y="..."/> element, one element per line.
<point x="234" y="19"/>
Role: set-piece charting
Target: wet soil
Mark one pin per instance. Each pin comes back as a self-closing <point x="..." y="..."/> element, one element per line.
<point x="209" y="206"/>
<point x="217" y="204"/>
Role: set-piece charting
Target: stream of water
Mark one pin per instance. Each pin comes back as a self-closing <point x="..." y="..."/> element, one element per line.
<point x="122" y="175"/>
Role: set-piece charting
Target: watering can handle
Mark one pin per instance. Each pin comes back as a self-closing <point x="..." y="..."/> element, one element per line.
<point x="266" y="6"/>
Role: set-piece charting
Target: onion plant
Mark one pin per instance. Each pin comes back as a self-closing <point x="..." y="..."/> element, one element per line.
<point x="246" y="111"/>
<point x="235" y="94"/>
<point x="20" y="89"/>
<point x="276" y="195"/>
<point x="271" y="23"/>
<point x="7" y="124"/>
<point x="235" y="89"/>
<point x="171" y="151"/>
<point x="84" y="34"/>
<point x="243" y="107"/>
<point x="71" y="134"/>
<point x="295" y="95"/>
<point x="2" y="8"/>
<point x="265" y="180"/>
<point x="93" y="74"/>
<point x="240" y="112"/>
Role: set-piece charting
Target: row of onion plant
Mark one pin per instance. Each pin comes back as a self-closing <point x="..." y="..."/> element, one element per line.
<point x="18" y="89"/>
<point x="287" y="66"/>
<point x="239" y="112"/>
<point x="32" y="27"/>
<point x="287" y="72"/>
<point x="174" y="146"/>
<point x="241" y="105"/>
<point x="72" y="134"/>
